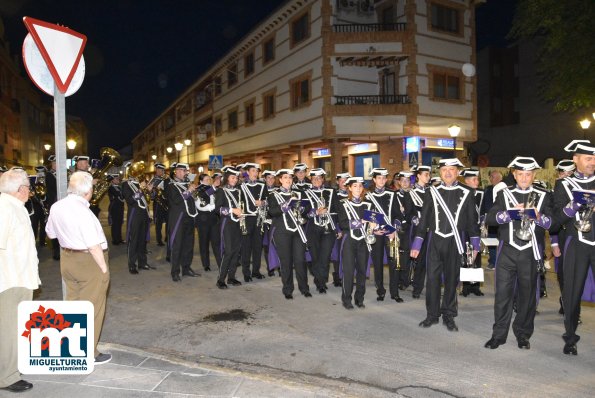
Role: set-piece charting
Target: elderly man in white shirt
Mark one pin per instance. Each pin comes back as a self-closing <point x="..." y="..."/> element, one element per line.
<point x="18" y="271"/>
<point x="84" y="259"/>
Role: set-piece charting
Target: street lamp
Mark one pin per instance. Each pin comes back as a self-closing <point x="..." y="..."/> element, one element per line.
<point x="585" y="123"/>
<point x="169" y="149"/>
<point x="454" y="130"/>
<point x="178" y="146"/>
<point x="187" y="143"/>
<point x="71" y="144"/>
<point x="154" y="157"/>
<point x="47" y="147"/>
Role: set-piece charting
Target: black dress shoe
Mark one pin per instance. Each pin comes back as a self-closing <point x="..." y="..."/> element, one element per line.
<point x="221" y="285"/>
<point x="415" y="295"/>
<point x="190" y="272"/>
<point x="176" y="278"/>
<point x="561" y="310"/>
<point x="168" y="259"/>
<point x="271" y="273"/>
<point x="493" y="343"/>
<point x="258" y="276"/>
<point x="523" y="343"/>
<point x="133" y="270"/>
<point x="348" y="306"/>
<point x="57" y="258"/>
<point x="477" y="292"/>
<point x="19" y="386"/>
<point x="289" y="296"/>
<point x="146" y="266"/>
<point x="450" y="323"/>
<point x="426" y="323"/>
<point x="307" y="294"/>
<point x="464" y="292"/>
<point x="380" y="297"/>
<point x="359" y="304"/>
<point x="397" y="299"/>
<point x="247" y="279"/>
<point x="115" y="243"/>
<point x="234" y="282"/>
<point x="337" y="283"/>
<point x="160" y="244"/>
<point x="570" y="349"/>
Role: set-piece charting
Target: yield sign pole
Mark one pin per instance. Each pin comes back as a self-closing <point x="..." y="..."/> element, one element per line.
<point x="60" y="138"/>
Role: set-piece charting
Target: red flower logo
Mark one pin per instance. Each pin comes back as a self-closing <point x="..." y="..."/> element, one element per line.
<point x="43" y="319"/>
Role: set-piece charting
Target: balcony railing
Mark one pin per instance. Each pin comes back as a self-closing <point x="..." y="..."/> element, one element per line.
<point x="370" y="27"/>
<point x="371" y="99"/>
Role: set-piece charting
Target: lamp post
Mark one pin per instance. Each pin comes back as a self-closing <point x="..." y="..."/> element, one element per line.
<point x="454" y="130"/>
<point x="178" y="146"/>
<point x="187" y="143"/>
<point x="585" y="123"/>
<point x="47" y="147"/>
<point x="71" y="144"/>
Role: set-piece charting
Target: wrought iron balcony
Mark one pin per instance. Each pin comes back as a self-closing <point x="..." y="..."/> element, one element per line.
<point x="371" y="99"/>
<point x="370" y="27"/>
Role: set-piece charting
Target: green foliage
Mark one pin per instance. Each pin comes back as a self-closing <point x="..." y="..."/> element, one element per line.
<point x="566" y="63"/>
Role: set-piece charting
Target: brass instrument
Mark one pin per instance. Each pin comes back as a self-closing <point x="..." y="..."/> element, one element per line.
<point x="243" y="227"/>
<point x="467" y="258"/>
<point x="324" y="218"/>
<point x="40" y="188"/>
<point x="159" y="197"/>
<point x="196" y="196"/>
<point x="370" y="237"/>
<point x="109" y="157"/>
<point x="297" y="208"/>
<point x="262" y="211"/>
<point x="394" y="250"/>
<point x="483" y="229"/>
<point x="524" y="233"/>
<point x="137" y="171"/>
<point x="584" y="222"/>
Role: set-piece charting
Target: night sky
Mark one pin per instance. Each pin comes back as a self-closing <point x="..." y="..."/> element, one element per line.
<point x="142" y="54"/>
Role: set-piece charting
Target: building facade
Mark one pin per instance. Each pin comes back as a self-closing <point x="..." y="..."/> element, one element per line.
<point x="342" y="84"/>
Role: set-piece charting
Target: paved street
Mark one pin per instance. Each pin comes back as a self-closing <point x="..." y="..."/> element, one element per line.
<point x="192" y="338"/>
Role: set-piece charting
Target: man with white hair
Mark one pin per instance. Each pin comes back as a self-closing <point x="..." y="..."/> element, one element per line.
<point x="84" y="261"/>
<point x="18" y="274"/>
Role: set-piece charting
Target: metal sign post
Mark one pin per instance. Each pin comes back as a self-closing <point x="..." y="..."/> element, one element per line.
<point x="60" y="144"/>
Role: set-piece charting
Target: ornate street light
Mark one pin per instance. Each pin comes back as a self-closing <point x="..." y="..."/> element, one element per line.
<point x="178" y="146"/>
<point x="454" y="130"/>
<point x="47" y="147"/>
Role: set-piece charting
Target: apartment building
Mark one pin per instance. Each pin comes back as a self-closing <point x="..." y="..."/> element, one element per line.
<point x="342" y="84"/>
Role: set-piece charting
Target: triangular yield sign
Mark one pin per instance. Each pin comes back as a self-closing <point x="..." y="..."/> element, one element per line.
<point x="60" y="47"/>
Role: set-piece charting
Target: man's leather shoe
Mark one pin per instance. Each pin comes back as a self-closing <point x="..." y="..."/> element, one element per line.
<point x="450" y="323"/>
<point x="415" y="295"/>
<point x="258" y="276"/>
<point x="523" y="343"/>
<point x="493" y="343"/>
<point x="426" y="323"/>
<point x="207" y="269"/>
<point x="221" y="285"/>
<point x="234" y="282"/>
<point x="397" y="299"/>
<point x="168" y="259"/>
<point x="133" y="270"/>
<point x="190" y="272"/>
<point x="570" y="349"/>
<point x="247" y="279"/>
<point x="380" y="297"/>
<point x="321" y="290"/>
<point x="348" y="306"/>
<point x="477" y="292"/>
<point x="146" y="266"/>
<point x="359" y="304"/>
<point x="289" y="296"/>
<point x="307" y="294"/>
<point x="337" y="283"/>
<point x="176" y="278"/>
<point x="160" y="244"/>
<point x="271" y="273"/>
<point x="19" y="386"/>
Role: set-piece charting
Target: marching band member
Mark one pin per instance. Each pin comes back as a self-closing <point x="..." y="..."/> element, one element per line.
<point x="408" y="211"/>
<point x="320" y="230"/>
<point x="116" y="208"/>
<point x="519" y="256"/>
<point x="471" y="177"/>
<point x="206" y="221"/>
<point x="301" y="182"/>
<point x="227" y="205"/>
<point x="254" y="194"/>
<point x="137" y="223"/>
<point x="448" y="212"/>
<point x="289" y="239"/>
<point x="355" y="247"/>
<point x="418" y="194"/>
<point x="182" y="211"/>
<point x="383" y="201"/>
<point x="81" y="163"/>
<point x="269" y="181"/>
<point x="160" y="207"/>
<point x="579" y="244"/>
<point x="51" y="187"/>
<point x="340" y="193"/>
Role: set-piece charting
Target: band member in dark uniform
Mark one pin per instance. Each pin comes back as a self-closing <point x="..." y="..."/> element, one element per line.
<point x="355" y="247"/>
<point x="41" y="195"/>
<point x="289" y="238"/>
<point x="385" y="202"/>
<point x="36" y="210"/>
<point x="408" y="211"/>
<point x="301" y="182"/>
<point x="137" y="222"/>
<point x="51" y="187"/>
<point x="206" y="221"/>
<point x="471" y="177"/>
<point x="448" y="213"/>
<point x="181" y="213"/>
<point x="227" y="205"/>
<point x="269" y="180"/>
<point x="340" y="193"/>
<point x="418" y="194"/>
<point x="519" y="253"/>
<point x="579" y="244"/>
<point x="254" y="194"/>
<point x="116" y="208"/>
<point x="321" y="229"/>
<point x="81" y="163"/>
<point x="160" y="206"/>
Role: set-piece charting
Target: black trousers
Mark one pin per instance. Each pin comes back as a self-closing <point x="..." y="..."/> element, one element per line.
<point x="321" y="246"/>
<point x="38" y="225"/>
<point x="419" y="273"/>
<point x="378" y="251"/>
<point x="443" y="260"/>
<point x="251" y="248"/>
<point x="138" y="223"/>
<point x="402" y="274"/>
<point x="207" y="235"/>
<point x="354" y="258"/>
<point x="160" y="216"/>
<point x="577" y="259"/>
<point x="117" y="216"/>
<point x="291" y="251"/>
<point x="516" y="274"/>
<point x="232" y="238"/>
<point x="181" y="236"/>
<point x="560" y="260"/>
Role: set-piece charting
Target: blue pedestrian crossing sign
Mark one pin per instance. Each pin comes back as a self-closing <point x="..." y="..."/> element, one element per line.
<point x="412" y="159"/>
<point x="215" y="162"/>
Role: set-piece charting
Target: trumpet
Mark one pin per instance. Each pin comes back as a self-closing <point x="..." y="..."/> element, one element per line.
<point x="243" y="227"/>
<point x="196" y="196"/>
<point x="394" y="250"/>
<point x="584" y="222"/>
<point x="297" y="209"/>
<point x="483" y="228"/>
<point x="262" y="211"/>
<point x="467" y="258"/>
<point x="370" y="237"/>
<point x="524" y="233"/>
<point x="324" y="218"/>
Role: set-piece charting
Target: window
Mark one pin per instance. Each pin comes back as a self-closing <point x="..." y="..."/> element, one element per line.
<point x="217" y="84"/>
<point x="388" y="15"/>
<point x="268" y="104"/>
<point x="218" y="126"/>
<point x="300" y="91"/>
<point x="446" y="19"/>
<point x="249" y="113"/>
<point x="232" y="74"/>
<point x="268" y="50"/>
<point x="232" y="120"/>
<point x="446" y="86"/>
<point x="249" y="64"/>
<point x="300" y="29"/>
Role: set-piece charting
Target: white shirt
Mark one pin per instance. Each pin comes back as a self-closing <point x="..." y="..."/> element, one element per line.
<point x="18" y="255"/>
<point x="74" y="224"/>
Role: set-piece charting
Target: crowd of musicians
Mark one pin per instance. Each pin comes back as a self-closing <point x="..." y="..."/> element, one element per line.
<point x="305" y="222"/>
